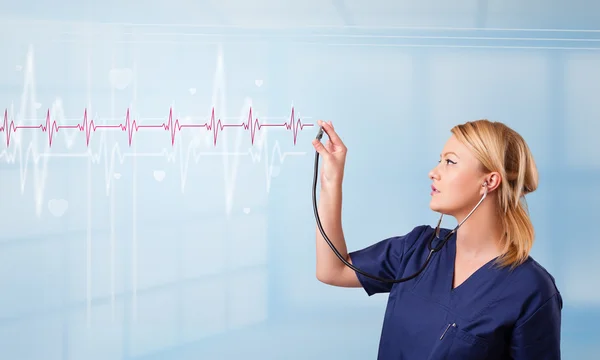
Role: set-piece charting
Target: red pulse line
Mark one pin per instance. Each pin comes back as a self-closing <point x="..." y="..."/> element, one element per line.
<point x="172" y="125"/>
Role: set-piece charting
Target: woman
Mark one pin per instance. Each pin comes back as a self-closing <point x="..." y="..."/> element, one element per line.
<point x="481" y="296"/>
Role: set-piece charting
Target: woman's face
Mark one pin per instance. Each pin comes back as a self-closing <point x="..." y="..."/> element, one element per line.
<point x="456" y="181"/>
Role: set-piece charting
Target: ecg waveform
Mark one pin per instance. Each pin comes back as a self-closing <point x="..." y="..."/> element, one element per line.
<point x="173" y="126"/>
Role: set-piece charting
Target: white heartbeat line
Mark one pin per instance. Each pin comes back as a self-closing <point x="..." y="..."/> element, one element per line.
<point x="175" y="155"/>
<point x="111" y="155"/>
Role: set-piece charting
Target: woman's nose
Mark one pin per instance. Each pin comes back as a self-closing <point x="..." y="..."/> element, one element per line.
<point x="433" y="173"/>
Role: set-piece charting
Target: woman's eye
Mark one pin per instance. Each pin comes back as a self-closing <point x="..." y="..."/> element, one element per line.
<point x="448" y="161"/>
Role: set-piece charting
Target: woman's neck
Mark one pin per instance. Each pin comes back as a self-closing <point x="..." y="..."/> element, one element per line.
<point x="480" y="234"/>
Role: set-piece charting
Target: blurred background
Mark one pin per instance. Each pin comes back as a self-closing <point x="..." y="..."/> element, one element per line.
<point x="144" y="216"/>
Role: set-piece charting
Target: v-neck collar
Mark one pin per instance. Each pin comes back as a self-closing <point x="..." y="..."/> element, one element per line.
<point x="472" y="279"/>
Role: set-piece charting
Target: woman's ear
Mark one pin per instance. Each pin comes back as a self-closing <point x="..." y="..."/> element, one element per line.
<point x="492" y="181"/>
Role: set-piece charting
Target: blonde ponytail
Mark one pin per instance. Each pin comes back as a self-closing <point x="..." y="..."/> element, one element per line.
<point x="501" y="149"/>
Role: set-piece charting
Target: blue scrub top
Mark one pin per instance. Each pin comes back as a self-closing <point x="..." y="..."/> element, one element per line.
<point x="495" y="314"/>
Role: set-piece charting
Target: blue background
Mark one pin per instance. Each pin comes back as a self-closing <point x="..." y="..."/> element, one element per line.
<point x="203" y="251"/>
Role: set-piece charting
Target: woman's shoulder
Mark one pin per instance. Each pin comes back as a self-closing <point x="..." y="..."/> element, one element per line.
<point x="417" y="239"/>
<point x="421" y="234"/>
<point x="535" y="277"/>
<point x="532" y="286"/>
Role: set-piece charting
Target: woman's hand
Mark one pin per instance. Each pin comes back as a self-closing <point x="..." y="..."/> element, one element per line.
<point x="334" y="156"/>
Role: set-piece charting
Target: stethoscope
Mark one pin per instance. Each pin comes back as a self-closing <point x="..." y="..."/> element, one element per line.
<point x="434" y="236"/>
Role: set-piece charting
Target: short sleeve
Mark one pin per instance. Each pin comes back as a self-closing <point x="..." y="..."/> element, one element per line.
<point x="538" y="337"/>
<point x="381" y="259"/>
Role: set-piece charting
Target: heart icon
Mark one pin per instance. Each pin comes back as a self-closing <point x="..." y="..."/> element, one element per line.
<point x="246" y="210"/>
<point x="159" y="175"/>
<point x="258" y="83"/>
<point x="117" y="176"/>
<point x="120" y="78"/>
<point x="192" y="91"/>
<point x="58" y="207"/>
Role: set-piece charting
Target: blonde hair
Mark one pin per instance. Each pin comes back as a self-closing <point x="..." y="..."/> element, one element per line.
<point x="500" y="148"/>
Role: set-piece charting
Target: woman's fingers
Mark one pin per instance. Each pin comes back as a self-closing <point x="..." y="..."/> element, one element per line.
<point x="320" y="148"/>
<point x="333" y="136"/>
<point x="328" y="145"/>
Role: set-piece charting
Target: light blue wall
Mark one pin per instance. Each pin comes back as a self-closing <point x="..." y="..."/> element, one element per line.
<point x="101" y="260"/>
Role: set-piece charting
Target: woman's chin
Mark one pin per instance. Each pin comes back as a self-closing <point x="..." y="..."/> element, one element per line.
<point x="433" y="205"/>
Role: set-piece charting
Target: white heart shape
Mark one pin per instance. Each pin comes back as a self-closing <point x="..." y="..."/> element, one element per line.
<point x="258" y="83"/>
<point x="58" y="207"/>
<point x="159" y="175"/>
<point x="192" y="91"/>
<point x="246" y="210"/>
<point x="121" y="78"/>
<point x="117" y="176"/>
